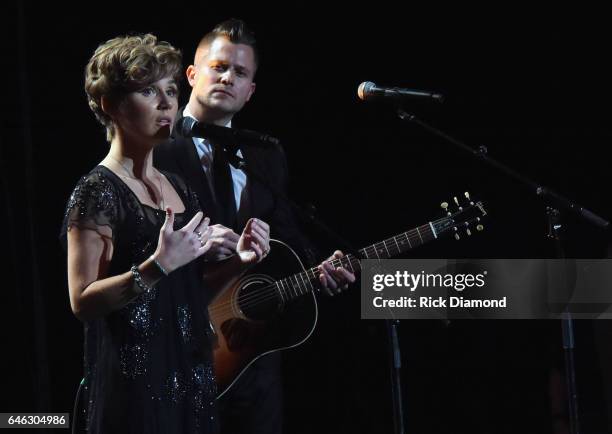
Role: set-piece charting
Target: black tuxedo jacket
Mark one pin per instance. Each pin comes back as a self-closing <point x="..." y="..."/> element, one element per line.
<point x="179" y="155"/>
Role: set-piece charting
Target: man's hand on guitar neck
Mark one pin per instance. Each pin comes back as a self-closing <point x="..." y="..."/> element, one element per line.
<point x="334" y="279"/>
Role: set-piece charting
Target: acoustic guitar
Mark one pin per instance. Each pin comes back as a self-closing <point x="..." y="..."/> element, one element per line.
<point x="266" y="312"/>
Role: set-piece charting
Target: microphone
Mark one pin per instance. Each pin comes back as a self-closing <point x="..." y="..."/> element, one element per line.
<point x="369" y="91"/>
<point x="189" y="127"/>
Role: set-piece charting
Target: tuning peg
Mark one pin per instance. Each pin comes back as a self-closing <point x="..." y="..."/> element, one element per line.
<point x="467" y="196"/>
<point x="467" y="231"/>
<point x="444" y="206"/>
<point x="457" y="237"/>
<point x="457" y="202"/>
<point x="480" y="228"/>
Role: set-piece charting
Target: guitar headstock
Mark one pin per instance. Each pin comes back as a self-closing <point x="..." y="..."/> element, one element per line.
<point x="462" y="214"/>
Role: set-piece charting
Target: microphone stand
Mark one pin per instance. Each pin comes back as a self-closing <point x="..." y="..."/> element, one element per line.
<point x="391" y="325"/>
<point x="567" y="327"/>
<point x="544" y="192"/>
<point x="556" y="203"/>
<point x="396" y="380"/>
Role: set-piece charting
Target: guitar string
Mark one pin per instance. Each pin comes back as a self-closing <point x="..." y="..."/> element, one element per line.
<point x="370" y="251"/>
<point x="258" y="296"/>
<point x="268" y="293"/>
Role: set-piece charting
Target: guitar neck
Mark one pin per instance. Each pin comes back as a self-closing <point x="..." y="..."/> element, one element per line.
<point x="308" y="281"/>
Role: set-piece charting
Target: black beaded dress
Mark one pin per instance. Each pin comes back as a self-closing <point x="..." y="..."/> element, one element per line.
<point x="148" y="366"/>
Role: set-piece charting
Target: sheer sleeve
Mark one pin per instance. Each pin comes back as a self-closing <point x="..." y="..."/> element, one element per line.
<point x="94" y="205"/>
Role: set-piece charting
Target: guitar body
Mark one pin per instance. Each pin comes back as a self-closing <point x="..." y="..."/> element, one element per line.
<point x="252" y="318"/>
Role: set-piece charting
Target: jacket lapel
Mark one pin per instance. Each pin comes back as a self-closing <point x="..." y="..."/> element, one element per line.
<point x="256" y="194"/>
<point x="190" y="165"/>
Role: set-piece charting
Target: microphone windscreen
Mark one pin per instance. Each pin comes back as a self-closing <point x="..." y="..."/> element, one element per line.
<point x="364" y="89"/>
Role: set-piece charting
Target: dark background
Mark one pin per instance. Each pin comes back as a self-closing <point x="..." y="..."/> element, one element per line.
<point x="533" y="87"/>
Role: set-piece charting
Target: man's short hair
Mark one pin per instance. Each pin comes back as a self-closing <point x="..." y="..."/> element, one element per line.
<point x="126" y="64"/>
<point x="236" y="31"/>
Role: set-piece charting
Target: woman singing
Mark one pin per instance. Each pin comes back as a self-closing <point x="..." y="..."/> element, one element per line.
<point x="134" y="236"/>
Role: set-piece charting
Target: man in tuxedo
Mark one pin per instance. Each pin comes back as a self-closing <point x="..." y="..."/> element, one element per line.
<point x="221" y="78"/>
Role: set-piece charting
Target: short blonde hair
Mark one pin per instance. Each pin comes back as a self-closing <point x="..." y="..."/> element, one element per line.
<point x="125" y="64"/>
<point x="236" y="31"/>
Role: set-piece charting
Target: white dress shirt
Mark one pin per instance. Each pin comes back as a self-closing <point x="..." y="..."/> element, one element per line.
<point x="205" y="152"/>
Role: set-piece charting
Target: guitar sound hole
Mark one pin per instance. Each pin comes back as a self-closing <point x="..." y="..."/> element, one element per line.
<point x="259" y="300"/>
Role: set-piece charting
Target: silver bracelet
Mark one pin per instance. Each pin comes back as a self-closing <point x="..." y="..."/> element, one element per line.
<point x="139" y="280"/>
<point x="162" y="269"/>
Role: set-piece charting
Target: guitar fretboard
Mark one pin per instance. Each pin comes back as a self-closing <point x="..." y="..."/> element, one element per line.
<point x="307" y="281"/>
